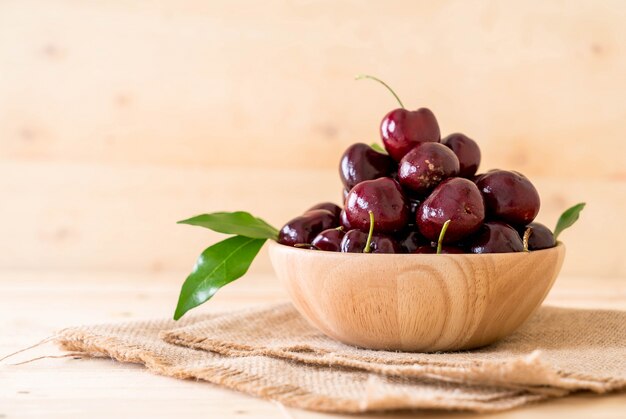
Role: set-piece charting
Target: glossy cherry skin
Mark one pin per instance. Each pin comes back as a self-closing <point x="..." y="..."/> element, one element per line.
<point x="304" y="228"/>
<point x="411" y="241"/>
<point x="455" y="199"/>
<point x="509" y="196"/>
<point x="401" y="130"/>
<point x="329" y="240"/>
<point x="384" y="198"/>
<point x="425" y="166"/>
<point x="466" y="150"/>
<point x="343" y="221"/>
<point x="496" y="237"/>
<point x="540" y="238"/>
<point x="329" y="206"/>
<point x="361" y="162"/>
<point x="445" y="250"/>
<point x="355" y="240"/>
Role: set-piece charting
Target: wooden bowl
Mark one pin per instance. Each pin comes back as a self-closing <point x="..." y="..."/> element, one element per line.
<point x="422" y="302"/>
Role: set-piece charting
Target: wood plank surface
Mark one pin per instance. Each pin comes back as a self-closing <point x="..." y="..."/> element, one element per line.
<point x="34" y="304"/>
<point x="122" y="217"/>
<point x="118" y="119"/>
<point x="226" y="83"/>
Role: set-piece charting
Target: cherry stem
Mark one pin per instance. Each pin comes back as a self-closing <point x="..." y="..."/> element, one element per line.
<point x="368" y="243"/>
<point x="340" y="228"/>
<point x="441" y="236"/>
<point x="527" y="234"/>
<point x="305" y="245"/>
<point x="367" y="76"/>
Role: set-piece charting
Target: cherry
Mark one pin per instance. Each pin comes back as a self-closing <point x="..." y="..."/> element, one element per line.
<point x="467" y="152"/>
<point x="355" y="241"/>
<point x="382" y="196"/>
<point x="455" y="199"/>
<point x="401" y="130"/>
<point x="445" y="250"/>
<point x="384" y="244"/>
<point x="361" y="162"/>
<point x="496" y="237"/>
<point x="424" y="167"/>
<point x="540" y="236"/>
<point x="509" y="196"/>
<point x="329" y="239"/>
<point x="343" y="220"/>
<point x="411" y="241"/>
<point x="329" y="206"/>
<point x="304" y="228"/>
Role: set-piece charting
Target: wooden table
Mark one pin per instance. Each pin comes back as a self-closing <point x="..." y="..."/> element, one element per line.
<point x="34" y="304"/>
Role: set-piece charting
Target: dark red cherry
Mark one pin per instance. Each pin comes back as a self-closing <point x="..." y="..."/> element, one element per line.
<point x="401" y="130"/>
<point x="384" y="198"/>
<point x="496" y="237"/>
<point x="329" y="206"/>
<point x="445" y="250"/>
<point x="329" y="240"/>
<point x="384" y="244"/>
<point x="355" y="240"/>
<point x="509" y="196"/>
<point x="361" y="162"/>
<point x="540" y="237"/>
<point x="343" y="221"/>
<point x="467" y="152"/>
<point x="411" y="241"/>
<point x="304" y="228"/>
<point x="455" y="199"/>
<point x="424" y="167"/>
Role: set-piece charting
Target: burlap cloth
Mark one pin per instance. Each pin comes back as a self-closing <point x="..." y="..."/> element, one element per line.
<point x="271" y="352"/>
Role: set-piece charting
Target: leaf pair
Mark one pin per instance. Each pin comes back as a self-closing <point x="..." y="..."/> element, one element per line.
<point x="225" y="261"/>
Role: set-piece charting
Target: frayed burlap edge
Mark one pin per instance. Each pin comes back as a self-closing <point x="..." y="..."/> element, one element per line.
<point x="95" y="345"/>
<point x="528" y="373"/>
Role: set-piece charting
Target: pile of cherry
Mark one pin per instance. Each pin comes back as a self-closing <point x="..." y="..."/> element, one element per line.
<point x="423" y="195"/>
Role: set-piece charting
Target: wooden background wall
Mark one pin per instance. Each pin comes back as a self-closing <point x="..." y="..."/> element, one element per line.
<point x="118" y="118"/>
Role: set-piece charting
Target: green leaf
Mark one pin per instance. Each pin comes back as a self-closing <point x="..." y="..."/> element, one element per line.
<point x="378" y="148"/>
<point x="568" y="218"/>
<point x="239" y="223"/>
<point x="217" y="266"/>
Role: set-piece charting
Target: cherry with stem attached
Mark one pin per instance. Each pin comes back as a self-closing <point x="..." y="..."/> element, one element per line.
<point x="401" y="130"/>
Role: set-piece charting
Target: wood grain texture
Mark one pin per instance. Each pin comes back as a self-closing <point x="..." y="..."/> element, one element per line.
<point x="118" y="119"/>
<point x="226" y="83"/>
<point x="96" y="217"/>
<point x="424" y="303"/>
<point x="34" y="304"/>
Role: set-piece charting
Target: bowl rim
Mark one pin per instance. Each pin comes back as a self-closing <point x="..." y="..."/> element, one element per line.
<point x="319" y="253"/>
